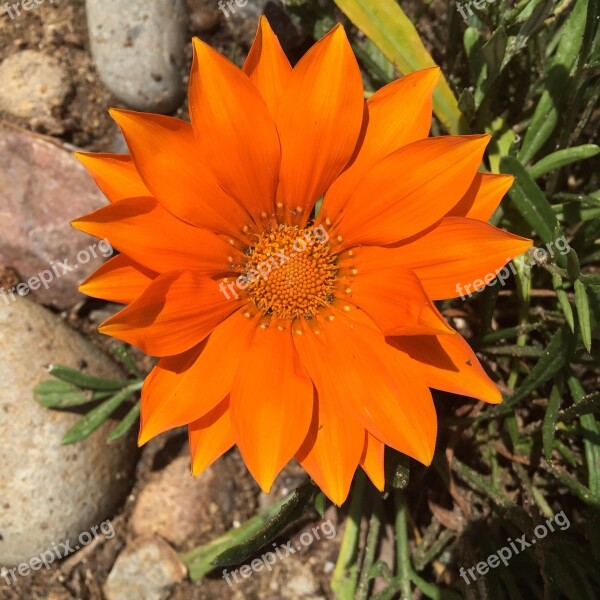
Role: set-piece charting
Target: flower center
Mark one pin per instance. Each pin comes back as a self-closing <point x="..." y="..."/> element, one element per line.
<point x="291" y="271"/>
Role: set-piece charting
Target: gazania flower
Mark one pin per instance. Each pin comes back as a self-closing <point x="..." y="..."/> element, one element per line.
<point x="286" y="331"/>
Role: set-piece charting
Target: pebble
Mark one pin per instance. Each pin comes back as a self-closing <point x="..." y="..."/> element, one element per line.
<point x="175" y="505"/>
<point x="138" y="48"/>
<point x="50" y="493"/>
<point x="32" y="84"/>
<point x="42" y="188"/>
<point x="145" y="570"/>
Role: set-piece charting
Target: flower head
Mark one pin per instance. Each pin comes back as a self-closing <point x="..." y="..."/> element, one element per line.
<point x="284" y="330"/>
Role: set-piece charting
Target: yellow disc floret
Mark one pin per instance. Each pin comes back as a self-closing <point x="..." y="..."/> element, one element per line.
<point x="291" y="271"/>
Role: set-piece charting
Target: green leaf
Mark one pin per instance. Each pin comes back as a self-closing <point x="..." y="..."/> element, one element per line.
<point x="59" y="394"/>
<point x="549" y="425"/>
<point x="583" y="314"/>
<point x="556" y="88"/>
<point x="126" y="424"/>
<point x="531" y="203"/>
<point x="557" y="354"/>
<point x="290" y="511"/>
<point x="562" y="158"/>
<point x="386" y="24"/>
<point x="563" y="300"/>
<point x="585" y="405"/>
<point x="199" y="560"/>
<point x="320" y="502"/>
<point x="85" y="381"/>
<point x="94" y="419"/>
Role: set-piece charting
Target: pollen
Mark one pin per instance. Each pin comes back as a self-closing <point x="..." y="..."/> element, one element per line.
<point x="291" y="272"/>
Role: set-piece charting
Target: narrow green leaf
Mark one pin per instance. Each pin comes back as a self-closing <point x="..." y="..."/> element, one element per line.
<point x="585" y="405"/>
<point x="85" y="381"/>
<point x="563" y="300"/>
<point x="199" y="560"/>
<point x="59" y="394"/>
<point x="562" y="158"/>
<point x="583" y="314"/>
<point x="548" y="109"/>
<point x="531" y="202"/>
<point x="557" y="354"/>
<point x="320" y="502"/>
<point x="94" y="419"/>
<point x="591" y="443"/>
<point x="549" y="425"/>
<point x="290" y="511"/>
<point x="126" y="424"/>
<point x="386" y="24"/>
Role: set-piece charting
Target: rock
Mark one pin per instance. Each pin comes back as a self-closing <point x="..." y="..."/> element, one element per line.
<point x="51" y="493"/>
<point x="138" y="48"/>
<point x="175" y="505"/>
<point x="42" y="188"/>
<point x="145" y="570"/>
<point x="32" y="84"/>
<point x="204" y="15"/>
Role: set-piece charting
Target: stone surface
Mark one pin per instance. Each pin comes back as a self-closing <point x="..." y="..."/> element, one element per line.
<point x="50" y="493"/>
<point x="173" y="504"/>
<point x="145" y="570"/>
<point x="138" y="49"/>
<point x="32" y="84"/>
<point x="42" y="188"/>
<point x="205" y="15"/>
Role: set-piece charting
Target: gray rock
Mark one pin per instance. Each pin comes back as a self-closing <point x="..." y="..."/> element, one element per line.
<point x="32" y="84"/>
<point x="42" y="188"/>
<point x="50" y="493"/>
<point x="138" y="49"/>
<point x="145" y="570"/>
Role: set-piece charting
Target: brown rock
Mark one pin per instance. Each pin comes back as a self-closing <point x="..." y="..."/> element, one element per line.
<point x="174" y="505"/>
<point x="43" y="188"/>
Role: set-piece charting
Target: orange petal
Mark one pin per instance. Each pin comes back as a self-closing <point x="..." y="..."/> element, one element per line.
<point x="151" y="236"/>
<point x="210" y="437"/>
<point x="114" y="174"/>
<point x="271" y="405"/>
<point x="332" y="449"/>
<point x="176" y="312"/>
<point x="396" y="115"/>
<point x="267" y="66"/>
<point x="459" y="256"/>
<point x="390" y="294"/>
<point x="448" y="363"/>
<point x="170" y="396"/>
<point x="411" y="189"/>
<point x="378" y="383"/>
<point x="319" y="122"/>
<point x="118" y="280"/>
<point x="372" y="460"/>
<point x="234" y="130"/>
<point x="166" y="155"/>
<point x="483" y="197"/>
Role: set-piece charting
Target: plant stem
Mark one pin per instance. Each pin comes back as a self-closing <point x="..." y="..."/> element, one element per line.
<point x="345" y="574"/>
<point x="372" y="539"/>
<point x="402" y="551"/>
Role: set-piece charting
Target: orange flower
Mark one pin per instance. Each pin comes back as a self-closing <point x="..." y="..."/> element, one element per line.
<point x="286" y="334"/>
